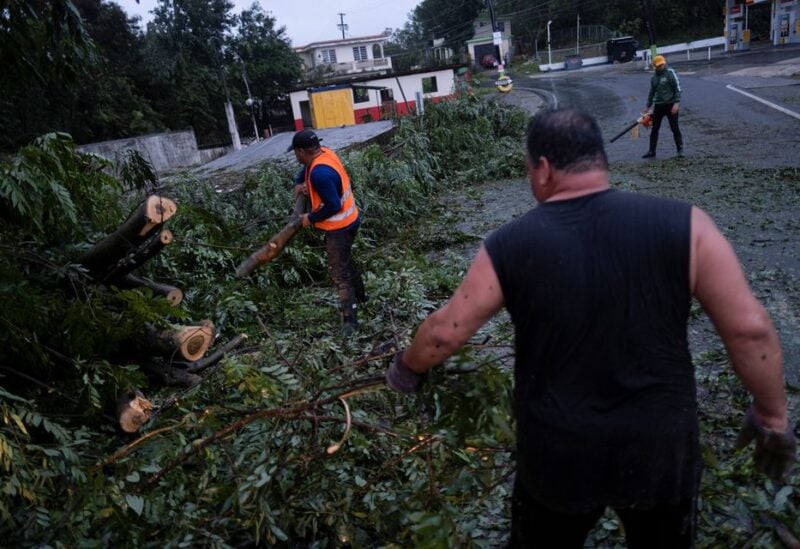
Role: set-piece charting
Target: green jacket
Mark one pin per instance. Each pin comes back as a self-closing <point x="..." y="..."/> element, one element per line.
<point x="664" y="88"/>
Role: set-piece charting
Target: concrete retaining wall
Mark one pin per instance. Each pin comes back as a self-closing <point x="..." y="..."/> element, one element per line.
<point x="164" y="151"/>
<point x="207" y="155"/>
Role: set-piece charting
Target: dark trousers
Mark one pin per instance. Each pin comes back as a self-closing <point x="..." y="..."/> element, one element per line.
<point x="659" y="112"/>
<point x="663" y="527"/>
<point x="346" y="276"/>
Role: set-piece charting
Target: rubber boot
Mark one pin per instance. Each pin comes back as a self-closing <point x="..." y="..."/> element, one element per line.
<point x="361" y="293"/>
<point x="349" y="308"/>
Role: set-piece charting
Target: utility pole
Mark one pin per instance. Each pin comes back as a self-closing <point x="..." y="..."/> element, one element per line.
<point x="341" y="24"/>
<point x="578" y="34"/>
<point x="495" y="38"/>
<point x="503" y="82"/>
<point x="647" y="9"/>
<point x="232" y="129"/>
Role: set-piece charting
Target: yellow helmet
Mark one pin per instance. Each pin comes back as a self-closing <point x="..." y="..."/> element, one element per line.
<point x="659" y="60"/>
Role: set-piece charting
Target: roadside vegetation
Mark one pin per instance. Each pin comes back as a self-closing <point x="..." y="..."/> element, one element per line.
<point x="294" y="440"/>
<point x="205" y="470"/>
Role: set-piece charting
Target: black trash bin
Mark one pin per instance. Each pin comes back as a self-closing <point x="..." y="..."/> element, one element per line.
<point x="573" y="62"/>
<point x="621" y="50"/>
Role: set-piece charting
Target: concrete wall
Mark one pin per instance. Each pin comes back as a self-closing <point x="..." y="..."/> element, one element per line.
<point x="207" y="155"/>
<point x="164" y="151"/>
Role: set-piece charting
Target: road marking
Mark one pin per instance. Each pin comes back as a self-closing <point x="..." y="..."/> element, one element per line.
<point x="764" y="101"/>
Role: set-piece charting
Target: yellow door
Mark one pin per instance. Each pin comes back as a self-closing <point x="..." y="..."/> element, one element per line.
<point x="332" y="108"/>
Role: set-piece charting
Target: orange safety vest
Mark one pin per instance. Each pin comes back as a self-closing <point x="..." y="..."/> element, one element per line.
<point x="348" y="212"/>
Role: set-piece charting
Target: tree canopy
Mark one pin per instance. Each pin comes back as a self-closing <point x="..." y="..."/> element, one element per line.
<point x="85" y="68"/>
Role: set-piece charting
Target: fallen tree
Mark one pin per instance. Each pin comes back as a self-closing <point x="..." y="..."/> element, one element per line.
<point x="277" y="243"/>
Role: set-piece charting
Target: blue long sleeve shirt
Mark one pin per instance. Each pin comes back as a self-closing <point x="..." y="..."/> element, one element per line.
<point x="328" y="185"/>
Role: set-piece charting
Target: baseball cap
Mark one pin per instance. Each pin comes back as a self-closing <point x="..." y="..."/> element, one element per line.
<point x="304" y="139"/>
<point x="659" y="60"/>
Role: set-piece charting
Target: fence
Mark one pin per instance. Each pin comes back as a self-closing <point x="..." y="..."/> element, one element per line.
<point x="701" y="48"/>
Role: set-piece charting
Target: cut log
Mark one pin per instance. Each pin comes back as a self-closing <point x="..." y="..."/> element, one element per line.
<point x="187" y="343"/>
<point x="171" y="293"/>
<point x="140" y="256"/>
<point x="277" y="243"/>
<point x="133" y="411"/>
<point x="199" y="365"/>
<point x="156" y="213"/>
<point x="142" y="222"/>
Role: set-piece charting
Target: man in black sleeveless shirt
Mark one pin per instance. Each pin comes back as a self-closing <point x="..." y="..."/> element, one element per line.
<point x="598" y="284"/>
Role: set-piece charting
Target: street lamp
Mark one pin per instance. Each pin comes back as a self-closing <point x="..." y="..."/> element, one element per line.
<point x="549" y="52"/>
<point x="249" y="102"/>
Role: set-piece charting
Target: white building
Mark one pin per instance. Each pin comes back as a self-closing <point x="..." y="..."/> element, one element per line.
<point x="483" y="45"/>
<point x="347" y="56"/>
<point x="369" y="97"/>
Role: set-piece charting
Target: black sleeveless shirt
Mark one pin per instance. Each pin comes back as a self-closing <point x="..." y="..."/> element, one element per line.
<point x="598" y="290"/>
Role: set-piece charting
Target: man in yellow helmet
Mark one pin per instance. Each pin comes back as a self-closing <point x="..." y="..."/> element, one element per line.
<point x="664" y="98"/>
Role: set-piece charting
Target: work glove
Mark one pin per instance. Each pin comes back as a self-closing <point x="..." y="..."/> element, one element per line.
<point x="401" y="378"/>
<point x="775" y="451"/>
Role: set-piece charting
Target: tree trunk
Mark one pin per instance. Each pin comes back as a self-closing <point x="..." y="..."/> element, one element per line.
<point x="171" y="293"/>
<point x="277" y="243"/>
<point x="133" y="411"/>
<point x="150" y="215"/>
<point x="140" y="256"/>
<point x="188" y="343"/>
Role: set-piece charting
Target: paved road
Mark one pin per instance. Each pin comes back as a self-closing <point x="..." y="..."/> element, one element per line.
<point x="739" y="112"/>
<point x="724" y="111"/>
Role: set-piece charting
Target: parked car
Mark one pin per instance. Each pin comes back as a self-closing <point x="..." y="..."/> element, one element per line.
<point x="488" y="61"/>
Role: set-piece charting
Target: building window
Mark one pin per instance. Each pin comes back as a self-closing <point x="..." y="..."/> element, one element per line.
<point x="376" y="51"/>
<point x="429" y="84"/>
<point x="360" y="53"/>
<point x="329" y="57"/>
<point x="387" y="95"/>
<point x="360" y="95"/>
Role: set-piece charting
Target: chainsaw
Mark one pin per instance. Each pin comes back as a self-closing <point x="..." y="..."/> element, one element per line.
<point x="645" y="120"/>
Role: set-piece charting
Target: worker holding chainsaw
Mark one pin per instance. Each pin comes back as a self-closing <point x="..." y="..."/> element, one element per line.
<point x="599" y="283"/>
<point x="664" y="98"/>
<point x="334" y="212"/>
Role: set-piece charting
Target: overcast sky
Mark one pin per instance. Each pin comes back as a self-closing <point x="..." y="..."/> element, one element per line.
<point x="314" y="20"/>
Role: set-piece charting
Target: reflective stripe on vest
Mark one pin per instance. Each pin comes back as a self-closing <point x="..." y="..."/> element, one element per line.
<point x="348" y="213"/>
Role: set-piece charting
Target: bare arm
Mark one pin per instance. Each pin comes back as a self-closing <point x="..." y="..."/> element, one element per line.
<point x="475" y="301"/>
<point x="718" y="282"/>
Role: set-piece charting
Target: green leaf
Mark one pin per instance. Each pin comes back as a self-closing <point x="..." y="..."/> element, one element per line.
<point x="136" y="503"/>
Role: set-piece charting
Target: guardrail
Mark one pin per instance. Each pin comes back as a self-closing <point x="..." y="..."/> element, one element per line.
<point x="706" y="45"/>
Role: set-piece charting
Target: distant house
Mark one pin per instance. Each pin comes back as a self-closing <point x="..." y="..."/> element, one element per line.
<point x="482" y="46"/>
<point x="347" y="56"/>
<point x="369" y="97"/>
<point x="438" y="51"/>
